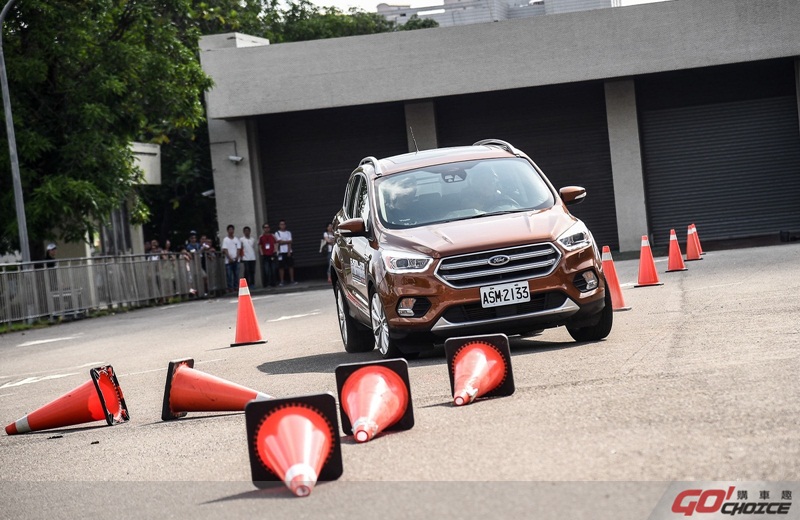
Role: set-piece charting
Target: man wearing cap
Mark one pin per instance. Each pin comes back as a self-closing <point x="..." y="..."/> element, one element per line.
<point x="52" y="249"/>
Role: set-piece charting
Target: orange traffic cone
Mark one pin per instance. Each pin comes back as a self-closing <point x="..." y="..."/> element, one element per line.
<point x="373" y="397"/>
<point x="697" y="238"/>
<point x="479" y="366"/>
<point x="95" y="400"/>
<point x="675" y="255"/>
<point x="294" y="440"/>
<point x="692" y="244"/>
<point x="189" y="390"/>
<point x="247" y="330"/>
<point x="612" y="281"/>
<point x="647" y="266"/>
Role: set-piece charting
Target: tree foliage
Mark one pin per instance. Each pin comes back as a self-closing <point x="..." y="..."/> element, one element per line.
<point x="88" y="77"/>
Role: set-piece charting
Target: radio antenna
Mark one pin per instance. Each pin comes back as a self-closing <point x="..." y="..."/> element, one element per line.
<point x="413" y="139"/>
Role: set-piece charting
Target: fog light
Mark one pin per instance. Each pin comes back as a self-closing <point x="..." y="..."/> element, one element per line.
<point x="590" y="279"/>
<point x="406" y="307"/>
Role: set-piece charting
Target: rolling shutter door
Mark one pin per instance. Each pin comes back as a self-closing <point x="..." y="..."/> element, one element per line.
<point x="307" y="158"/>
<point x="731" y="167"/>
<point x="563" y="129"/>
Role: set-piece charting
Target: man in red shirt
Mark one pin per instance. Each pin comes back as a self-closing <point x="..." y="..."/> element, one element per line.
<point x="269" y="257"/>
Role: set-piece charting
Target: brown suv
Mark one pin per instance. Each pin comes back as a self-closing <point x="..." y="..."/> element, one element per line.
<point x="461" y="241"/>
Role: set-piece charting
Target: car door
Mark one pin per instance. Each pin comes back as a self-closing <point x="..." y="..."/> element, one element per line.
<point x="360" y="250"/>
<point x="350" y="280"/>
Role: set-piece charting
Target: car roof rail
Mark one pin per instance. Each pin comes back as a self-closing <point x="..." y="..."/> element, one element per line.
<point x="497" y="142"/>
<point x="375" y="164"/>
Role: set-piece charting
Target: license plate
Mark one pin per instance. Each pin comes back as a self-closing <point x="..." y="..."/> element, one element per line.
<point x="504" y="294"/>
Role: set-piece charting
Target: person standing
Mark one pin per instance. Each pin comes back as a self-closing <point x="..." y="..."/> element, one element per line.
<point x="283" y="237"/>
<point x="249" y="256"/>
<point x="232" y="249"/>
<point x="266" y="246"/>
<point x="329" y="239"/>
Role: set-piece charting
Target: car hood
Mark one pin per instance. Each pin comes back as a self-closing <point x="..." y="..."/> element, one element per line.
<point x="477" y="234"/>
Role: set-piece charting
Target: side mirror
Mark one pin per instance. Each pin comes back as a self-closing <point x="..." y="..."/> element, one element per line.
<point x="572" y="194"/>
<point x="353" y="227"/>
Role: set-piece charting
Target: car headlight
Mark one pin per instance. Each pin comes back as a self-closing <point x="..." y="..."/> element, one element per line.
<point x="576" y="237"/>
<point x="404" y="261"/>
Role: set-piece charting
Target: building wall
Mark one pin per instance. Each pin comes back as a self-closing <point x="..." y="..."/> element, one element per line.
<point x="419" y="71"/>
<point x="546" y="50"/>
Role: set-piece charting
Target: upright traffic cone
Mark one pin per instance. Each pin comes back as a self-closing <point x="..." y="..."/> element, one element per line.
<point x="612" y="281"/>
<point x="647" y="266"/>
<point x="479" y="366"/>
<point x="294" y="440"/>
<point x="675" y="255"/>
<point x="373" y="397"/>
<point x="692" y="244"/>
<point x="189" y="390"/>
<point x="247" y="329"/>
<point x="95" y="400"/>
<point x="697" y="238"/>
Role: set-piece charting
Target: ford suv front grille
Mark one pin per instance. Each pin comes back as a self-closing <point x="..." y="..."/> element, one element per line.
<point x="499" y="266"/>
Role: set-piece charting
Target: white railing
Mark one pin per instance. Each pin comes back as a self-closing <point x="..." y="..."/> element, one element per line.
<point x="71" y="288"/>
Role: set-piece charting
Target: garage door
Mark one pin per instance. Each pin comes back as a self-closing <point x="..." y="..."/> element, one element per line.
<point x="563" y="129"/>
<point x="307" y="158"/>
<point x="721" y="150"/>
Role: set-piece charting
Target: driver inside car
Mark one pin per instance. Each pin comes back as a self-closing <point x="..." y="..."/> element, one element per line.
<point x="401" y="196"/>
<point x="483" y="193"/>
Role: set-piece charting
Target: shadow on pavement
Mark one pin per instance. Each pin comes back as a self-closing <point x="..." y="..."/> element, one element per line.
<point x="273" y="490"/>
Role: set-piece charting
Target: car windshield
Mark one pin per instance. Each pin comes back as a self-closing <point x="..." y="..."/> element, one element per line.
<point x="457" y="191"/>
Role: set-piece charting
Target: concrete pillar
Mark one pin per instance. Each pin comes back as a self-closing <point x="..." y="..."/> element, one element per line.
<point x="626" y="163"/>
<point x="237" y="183"/>
<point x="421" y="118"/>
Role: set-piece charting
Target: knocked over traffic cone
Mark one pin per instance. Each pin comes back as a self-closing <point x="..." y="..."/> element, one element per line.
<point x="294" y="440"/>
<point x="612" y="281"/>
<point x="479" y="366"/>
<point x="189" y="390"/>
<point x="675" y="255"/>
<point x="647" y="266"/>
<point x="692" y="244"/>
<point x="373" y="397"/>
<point x="247" y="330"/>
<point x="95" y="400"/>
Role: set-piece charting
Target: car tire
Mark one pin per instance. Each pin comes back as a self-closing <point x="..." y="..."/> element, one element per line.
<point x="380" y="329"/>
<point x="355" y="337"/>
<point x="599" y="330"/>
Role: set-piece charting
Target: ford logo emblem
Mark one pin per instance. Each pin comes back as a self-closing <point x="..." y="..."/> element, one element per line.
<point x="499" y="260"/>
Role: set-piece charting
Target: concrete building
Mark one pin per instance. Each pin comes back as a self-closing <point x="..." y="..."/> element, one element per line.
<point x="465" y="12"/>
<point x="668" y="113"/>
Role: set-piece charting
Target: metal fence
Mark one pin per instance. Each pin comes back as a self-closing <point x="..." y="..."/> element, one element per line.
<point x="70" y="288"/>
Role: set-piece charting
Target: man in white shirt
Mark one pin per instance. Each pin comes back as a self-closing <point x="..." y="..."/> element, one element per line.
<point x="232" y="249"/>
<point x="249" y="256"/>
<point x="283" y="238"/>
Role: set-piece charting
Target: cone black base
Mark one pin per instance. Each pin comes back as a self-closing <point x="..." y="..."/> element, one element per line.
<point x="166" y="412"/>
<point x="499" y="342"/>
<point x="398" y="366"/>
<point x="256" y="411"/>
<point x="248" y="343"/>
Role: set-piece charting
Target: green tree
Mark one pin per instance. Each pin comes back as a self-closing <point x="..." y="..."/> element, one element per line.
<point x="86" y="79"/>
<point x="415" y="22"/>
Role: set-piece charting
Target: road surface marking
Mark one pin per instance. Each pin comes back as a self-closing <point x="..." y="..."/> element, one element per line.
<point x="283" y="318"/>
<point x="30" y="380"/>
<point x="92" y="364"/>
<point x="43" y="341"/>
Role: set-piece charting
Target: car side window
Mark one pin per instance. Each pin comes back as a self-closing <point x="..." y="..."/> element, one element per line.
<point x="361" y="209"/>
<point x="352" y="196"/>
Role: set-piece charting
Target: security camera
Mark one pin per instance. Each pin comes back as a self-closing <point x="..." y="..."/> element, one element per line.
<point x="208" y="193"/>
<point x="235" y="159"/>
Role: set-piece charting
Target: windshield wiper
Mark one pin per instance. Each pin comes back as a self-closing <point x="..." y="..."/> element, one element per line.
<point x="488" y="214"/>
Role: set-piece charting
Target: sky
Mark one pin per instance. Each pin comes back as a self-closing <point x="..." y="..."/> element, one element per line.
<point x="370" y="5"/>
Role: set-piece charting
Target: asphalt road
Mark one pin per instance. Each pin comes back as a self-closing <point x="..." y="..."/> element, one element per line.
<point x="699" y="381"/>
